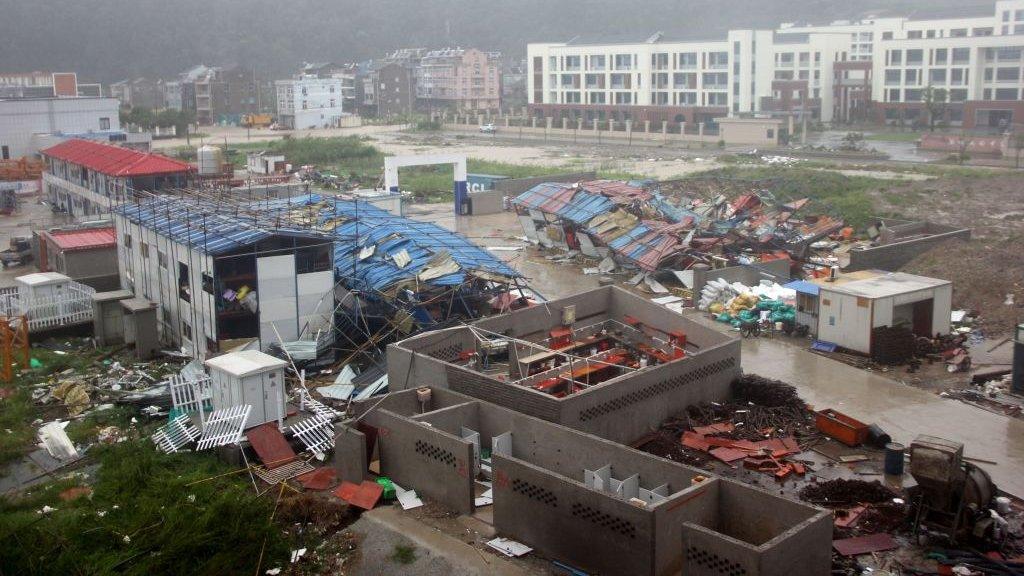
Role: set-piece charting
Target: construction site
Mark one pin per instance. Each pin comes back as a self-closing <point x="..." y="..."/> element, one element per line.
<point x="559" y="374"/>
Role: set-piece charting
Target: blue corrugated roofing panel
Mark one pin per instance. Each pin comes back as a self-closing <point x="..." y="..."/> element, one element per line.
<point x="584" y="207"/>
<point x="576" y="206"/>
<point x="804" y="287"/>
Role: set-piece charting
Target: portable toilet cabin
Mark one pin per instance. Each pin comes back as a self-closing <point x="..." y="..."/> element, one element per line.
<point x="249" y="377"/>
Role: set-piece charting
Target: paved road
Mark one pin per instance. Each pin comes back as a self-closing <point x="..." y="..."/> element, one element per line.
<point x="901" y="410"/>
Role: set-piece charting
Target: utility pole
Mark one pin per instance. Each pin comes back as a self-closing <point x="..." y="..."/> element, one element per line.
<point x="803" y="117"/>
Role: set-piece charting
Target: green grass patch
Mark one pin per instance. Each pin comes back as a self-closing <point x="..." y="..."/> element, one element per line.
<point x="147" y="515"/>
<point x="403" y="554"/>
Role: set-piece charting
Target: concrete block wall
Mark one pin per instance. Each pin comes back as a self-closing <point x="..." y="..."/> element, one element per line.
<point x="567" y="521"/>
<point x="630" y="406"/>
<point x="755" y="533"/>
<point x="896" y="253"/>
<point x="533" y="323"/>
<point x="525" y="400"/>
<point x="437" y="464"/>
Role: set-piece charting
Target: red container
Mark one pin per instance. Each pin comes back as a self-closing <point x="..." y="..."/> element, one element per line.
<point x="841" y="427"/>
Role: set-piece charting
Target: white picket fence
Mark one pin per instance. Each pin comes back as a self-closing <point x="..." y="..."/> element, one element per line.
<point x="72" y="307"/>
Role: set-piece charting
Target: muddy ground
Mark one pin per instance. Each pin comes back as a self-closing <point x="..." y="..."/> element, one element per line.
<point x="989" y="267"/>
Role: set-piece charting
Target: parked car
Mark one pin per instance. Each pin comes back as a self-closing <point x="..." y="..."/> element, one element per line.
<point x="20" y="252"/>
<point x="488" y="129"/>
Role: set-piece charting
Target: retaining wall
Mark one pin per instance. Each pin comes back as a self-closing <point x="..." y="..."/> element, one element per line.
<point x="895" y="253"/>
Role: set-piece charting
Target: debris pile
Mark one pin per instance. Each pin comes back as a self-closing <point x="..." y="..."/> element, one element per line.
<point x="650" y="226"/>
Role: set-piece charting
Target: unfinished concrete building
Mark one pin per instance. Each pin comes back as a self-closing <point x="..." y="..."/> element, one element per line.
<point x="580" y="499"/>
<point x="605" y="361"/>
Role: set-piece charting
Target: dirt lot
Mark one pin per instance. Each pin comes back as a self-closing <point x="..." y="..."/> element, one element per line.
<point x="990" y="267"/>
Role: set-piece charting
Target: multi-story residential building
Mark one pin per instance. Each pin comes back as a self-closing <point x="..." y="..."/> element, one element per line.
<point x="347" y="73"/>
<point x="873" y="69"/>
<point x="25" y="121"/>
<point x="459" y="79"/>
<point x="309" y="102"/>
<point x="86" y="179"/>
<point x="246" y="92"/>
<point x="139" y="93"/>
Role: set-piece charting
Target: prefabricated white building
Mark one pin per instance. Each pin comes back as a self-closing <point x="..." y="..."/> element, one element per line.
<point x="848" y="312"/>
<point x="249" y="377"/>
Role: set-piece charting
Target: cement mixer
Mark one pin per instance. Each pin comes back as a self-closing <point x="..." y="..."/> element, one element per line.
<point x="952" y="494"/>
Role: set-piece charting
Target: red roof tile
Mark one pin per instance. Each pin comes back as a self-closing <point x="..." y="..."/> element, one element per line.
<point x="114" y="160"/>
<point x="69" y="240"/>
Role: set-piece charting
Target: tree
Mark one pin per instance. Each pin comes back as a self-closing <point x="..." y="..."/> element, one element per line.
<point x="962" y="145"/>
<point x="935" y="104"/>
<point x="1018" y="145"/>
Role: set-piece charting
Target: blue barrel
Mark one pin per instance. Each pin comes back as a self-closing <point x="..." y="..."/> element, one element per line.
<point x="894" y="458"/>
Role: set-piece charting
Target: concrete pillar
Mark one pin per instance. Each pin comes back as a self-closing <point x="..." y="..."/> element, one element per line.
<point x="548" y="121"/>
<point x="350" y="455"/>
<point x="579" y="123"/>
<point x="664" y="126"/>
<point x="565" y="123"/>
<point x="790" y="129"/>
<point x="595" y="124"/>
<point x="700" y="129"/>
<point x="629" y="127"/>
<point x="479" y="119"/>
<point x="611" y="125"/>
<point x="682" y="127"/>
<point x="647" y="125"/>
<point x="507" y="121"/>
<point x="533" y="122"/>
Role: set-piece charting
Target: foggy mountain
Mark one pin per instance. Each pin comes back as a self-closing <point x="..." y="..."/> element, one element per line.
<point x="109" y="40"/>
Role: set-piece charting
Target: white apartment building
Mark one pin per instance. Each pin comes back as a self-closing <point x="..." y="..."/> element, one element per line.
<point x="310" y="102"/>
<point x="869" y="70"/>
<point x="23" y="121"/>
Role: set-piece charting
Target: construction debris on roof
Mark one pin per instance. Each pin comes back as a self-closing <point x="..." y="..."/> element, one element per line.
<point x="652" y="226"/>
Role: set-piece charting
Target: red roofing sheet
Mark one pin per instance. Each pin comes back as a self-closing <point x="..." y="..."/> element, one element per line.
<point x="114" y="160"/>
<point x="69" y="240"/>
<point x="363" y="495"/>
<point x="864" y="544"/>
<point x="618" y="192"/>
<point x="270" y="445"/>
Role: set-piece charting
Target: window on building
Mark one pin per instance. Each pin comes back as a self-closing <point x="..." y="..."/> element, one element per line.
<point x="1010" y="54"/>
<point x="207" y="283"/>
<point x="5" y="153"/>
<point x="718" y="59"/>
<point x="596" y="98"/>
<point x="914" y="34"/>
<point x="958" y="95"/>
<point x="144" y="249"/>
<point x="572" y="63"/>
<point x="981" y="31"/>
<point x="911" y="77"/>
<point x="1007" y="74"/>
<point x="892" y="77"/>
<point x="986" y="94"/>
<point x="941" y="55"/>
<point x="688" y="60"/>
<point x="104" y="123"/>
<point x="659" y="61"/>
<point x="989" y="74"/>
<point x="937" y="76"/>
<point x="961" y="55"/>
<point x="915" y="56"/>
<point x="930" y="34"/>
<point x="186" y="330"/>
<point x="127" y="241"/>
<point x="1006" y="93"/>
<point x="886" y="35"/>
<point x="958" y="32"/>
<point x="660" y="98"/>
<point x="718" y="99"/>
<point x="912" y="95"/>
<point x="184" y="289"/>
<point x="895" y="57"/>
<point x="597" y="62"/>
<point x="623" y="61"/>
<point x="623" y="98"/>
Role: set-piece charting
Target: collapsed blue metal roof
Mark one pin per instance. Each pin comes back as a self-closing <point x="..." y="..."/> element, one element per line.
<point x="351" y="225"/>
<point x="804" y="287"/>
<point x="201" y="226"/>
<point x="576" y="205"/>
